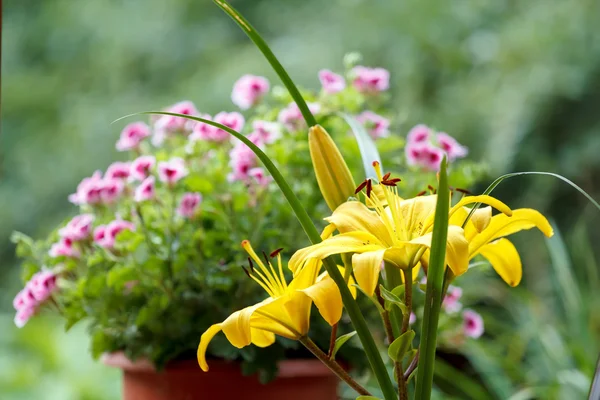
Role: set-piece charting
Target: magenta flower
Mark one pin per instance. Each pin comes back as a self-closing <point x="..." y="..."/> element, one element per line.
<point x="291" y="117"/>
<point x="203" y="131"/>
<point x="269" y="132"/>
<point x="132" y="135"/>
<point x="370" y="79"/>
<point x="172" y="171"/>
<point x="65" y="248"/>
<point x="248" y="90"/>
<point x="105" y="236"/>
<point x="189" y="204"/>
<point x="452" y="148"/>
<point x="170" y="124"/>
<point x="259" y="176"/>
<point x="88" y="190"/>
<point x="424" y="155"/>
<point x="472" y="324"/>
<point x="451" y="303"/>
<point x="78" y="228"/>
<point x="331" y="82"/>
<point x="141" y="166"/>
<point x="233" y="120"/>
<point x="118" y="170"/>
<point x="145" y="191"/>
<point x="419" y="134"/>
<point x="376" y="125"/>
<point x="24" y="299"/>
<point x="100" y="234"/>
<point x="111" y="190"/>
<point x="23" y="315"/>
<point x="42" y="284"/>
<point x="240" y="168"/>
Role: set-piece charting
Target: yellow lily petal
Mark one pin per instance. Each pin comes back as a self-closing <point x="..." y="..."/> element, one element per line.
<point x="351" y="242"/>
<point x="457" y="249"/>
<point x="417" y="211"/>
<point x="502" y="225"/>
<point x="355" y="216"/>
<point x="284" y="316"/>
<point x="237" y="326"/>
<point x="485" y="199"/>
<point x="204" y="341"/>
<point x="481" y="218"/>
<point x="505" y="259"/>
<point x="326" y="296"/>
<point x="262" y="338"/>
<point x="328" y="231"/>
<point x="298" y="309"/>
<point x="367" y="267"/>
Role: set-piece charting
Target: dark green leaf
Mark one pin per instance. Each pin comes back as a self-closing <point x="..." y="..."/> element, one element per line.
<point x="339" y="342"/>
<point x="401" y="345"/>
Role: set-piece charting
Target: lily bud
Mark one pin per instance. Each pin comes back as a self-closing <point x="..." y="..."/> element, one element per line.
<point x="333" y="176"/>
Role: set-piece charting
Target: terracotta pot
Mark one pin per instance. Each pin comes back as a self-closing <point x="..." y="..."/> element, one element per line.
<point x="183" y="380"/>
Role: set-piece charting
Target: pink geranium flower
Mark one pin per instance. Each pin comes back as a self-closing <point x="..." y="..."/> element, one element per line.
<point x="451" y="303"/>
<point x="424" y="155"/>
<point x="170" y="124"/>
<point x="141" y="166"/>
<point x="65" y="248"/>
<point x="145" y="191"/>
<point x="248" y="90"/>
<point x="42" y="284"/>
<point x="111" y="190"/>
<point x="88" y="190"/>
<point x="259" y="176"/>
<point x="452" y="148"/>
<point x="472" y="324"/>
<point x="189" y="204"/>
<point x="24" y="299"/>
<point x="132" y="135"/>
<point x="118" y="170"/>
<point x="78" y="228"/>
<point x="233" y="120"/>
<point x="367" y="79"/>
<point x="23" y="315"/>
<point x="203" y="131"/>
<point x="172" y="171"/>
<point x="292" y="118"/>
<point x="269" y="132"/>
<point x="419" y="134"/>
<point x="331" y="82"/>
<point x="100" y="234"/>
<point x="105" y="236"/>
<point x="376" y="125"/>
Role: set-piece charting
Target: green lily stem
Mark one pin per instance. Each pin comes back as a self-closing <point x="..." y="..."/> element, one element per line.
<point x="332" y="340"/>
<point x="393" y="280"/>
<point x="389" y="332"/>
<point x="433" y="294"/>
<point x="275" y="64"/>
<point x="408" y="281"/>
<point x="352" y="308"/>
<point x="333" y="366"/>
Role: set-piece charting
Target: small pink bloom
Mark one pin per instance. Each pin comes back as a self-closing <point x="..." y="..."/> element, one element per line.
<point x="88" y="190"/>
<point x="233" y="120"/>
<point x="42" y="284"/>
<point x="451" y="303"/>
<point x="376" y="124"/>
<point x="188" y="204"/>
<point x="65" y="248"/>
<point x="203" y="131"/>
<point x="291" y="117"/>
<point x="117" y="170"/>
<point x="170" y="124"/>
<point x="145" y="191"/>
<point x="331" y="82"/>
<point x="419" y="134"/>
<point x="172" y="171"/>
<point x="424" y="155"/>
<point x="106" y="236"/>
<point x="259" y="176"/>
<point x="100" y="234"/>
<point x="24" y="299"/>
<point x="141" y="166"/>
<point x="248" y="90"/>
<point x="240" y="168"/>
<point x="111" y="190"/>
<point x="132" y="135"/>
<point x="23" y="315"/>
<point x="472" y="324"/>
<point x="370" y="79"/>
<point x="269" y="132"/>
<point x="452" y="148"/>
<point x="78" y="228"/>
<point x="412" y="319"/>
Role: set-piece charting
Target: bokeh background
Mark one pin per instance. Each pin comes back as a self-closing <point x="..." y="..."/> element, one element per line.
<point x="517" y="82"/>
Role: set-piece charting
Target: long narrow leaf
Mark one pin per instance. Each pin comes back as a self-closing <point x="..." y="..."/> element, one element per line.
<point x="433" y="294"/>
<point x="368" y="150"/>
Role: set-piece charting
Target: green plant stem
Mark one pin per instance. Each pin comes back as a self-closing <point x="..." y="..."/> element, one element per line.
<point x="393" y="280"/>
<point x="408" y="281"/>
<point x="352" y="308"/>
<point x="433" y="294"/>
<point x="275" y="64"/>
<point x="333" y="366"/>
<point x="332" y="339"/>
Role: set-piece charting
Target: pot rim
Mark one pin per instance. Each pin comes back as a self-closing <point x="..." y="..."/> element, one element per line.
<point x="287" y="368"/>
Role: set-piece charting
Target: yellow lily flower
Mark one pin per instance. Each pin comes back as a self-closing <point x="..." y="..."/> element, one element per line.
<point x="286" y="312"/>
<point x="389" y="228"/>
<point x="486" y="237"/>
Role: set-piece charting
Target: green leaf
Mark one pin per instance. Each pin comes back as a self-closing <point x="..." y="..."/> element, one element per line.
<point x="339" y="342"/>
<point x="433" y="294"/>
<point x="391" y="299"/>
<point x="399" y="290"/>
<point x="372" y="298"/>
<point x="368" y="150"/>
<point x="401" y="345"/>
<point x="367" y="398"/>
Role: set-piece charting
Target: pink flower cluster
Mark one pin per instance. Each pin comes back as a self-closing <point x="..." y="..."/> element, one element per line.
<point x="132" y="135"/>
<point x="172" y="171"/>
<point x="248" y="90"/>
<point x="291" y="117"/>
<point x="420" y="150"/>
<point x="188" y="204"/>
<point x="370" y="80"/>
<point x="376" y="125"/>
<point x="78" y="229"/>
<point x="451" y="303"/>
<point x="331" y="82"/>
<point x="98" y="189"/>
<point x="39" y="289"/>
<point x="243" y="162"/>
<point x="105" y="235"/>
<point x="473" y="326"/>
<point x="206" y="132"/>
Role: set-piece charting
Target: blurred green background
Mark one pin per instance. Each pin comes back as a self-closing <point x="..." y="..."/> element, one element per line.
<point x="518" y="82"/>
